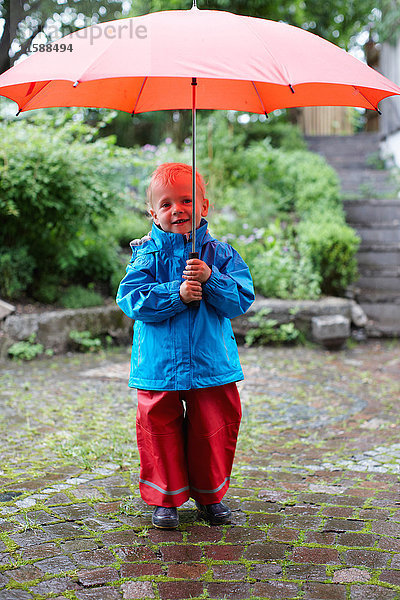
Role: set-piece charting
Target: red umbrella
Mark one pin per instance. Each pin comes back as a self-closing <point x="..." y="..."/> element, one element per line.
<point x="193" y="59"/>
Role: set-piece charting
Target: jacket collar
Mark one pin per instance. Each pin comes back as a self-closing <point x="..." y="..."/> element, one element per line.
<point x="177" y="241"/>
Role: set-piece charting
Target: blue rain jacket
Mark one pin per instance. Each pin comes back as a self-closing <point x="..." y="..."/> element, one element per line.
<point x="176" y="347"/>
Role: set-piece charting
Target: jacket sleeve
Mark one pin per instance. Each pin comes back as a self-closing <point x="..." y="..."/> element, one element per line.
<point x="142" y="298"/>
<point x="230" y="287"/>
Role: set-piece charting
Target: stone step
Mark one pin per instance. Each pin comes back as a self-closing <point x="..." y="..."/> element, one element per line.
<point x="360" y="145"/>
<point x="387" y="271"/>
<point x="389" y="329"/>
<point x="378" y="282"/>
<point x="378" y="260"/>
<point x="379" y="235"/>
<point x="372" y="211"/>
<point x="365" y="175"/>
<point x="354" y="160"/>
<point x="382" y="312"/>
<point x="372" y="207"/>
<point x="377" y="225"/>
<point x="349" y="160"/>
<point x="367" y="182"/>
<point x="369" y="247"/>
<point x="368" y="296"/>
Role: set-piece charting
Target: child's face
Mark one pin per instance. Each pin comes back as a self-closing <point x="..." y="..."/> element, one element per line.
<point x="172" y="205"/>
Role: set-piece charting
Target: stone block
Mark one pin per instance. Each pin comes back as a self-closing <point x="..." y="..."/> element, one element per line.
<point x="181" y="553"/>
<point x="351" y="575"/>
<point x="330" y="330"/>
<point x="137" y="589"/>
<point x="52" y="328"/>
<point x="317" y="556"/>
<point x="179" y="590"/>
<point x="98" y="576"/>
<point x="5" y="309"/>
<point x="300" y="312"/>
<point x="131" y="570"/>
<point x="358" y="316"/>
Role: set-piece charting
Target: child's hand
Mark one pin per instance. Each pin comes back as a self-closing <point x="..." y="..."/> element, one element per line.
<point x="190" y="290"/>
<point x="196" y="270"/>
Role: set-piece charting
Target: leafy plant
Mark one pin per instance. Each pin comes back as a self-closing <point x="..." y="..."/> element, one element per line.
<point x="279" y="273"/>
<point x="276" y="264"/>
<point x="269" y="331"/>
<point x="16" y="271"/>
<point x="84" y="341"/>
<point x="77" y="296"/>
<point x="27" y="349"/>
<point x="55" y="193"/>
<point x="331" y="246"/>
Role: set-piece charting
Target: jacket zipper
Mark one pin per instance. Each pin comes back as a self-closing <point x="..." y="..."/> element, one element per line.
<point x="138" y="357"/>
<point x="223" y="339"/>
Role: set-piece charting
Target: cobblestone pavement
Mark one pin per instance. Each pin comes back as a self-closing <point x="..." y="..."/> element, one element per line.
<point x="315" y="490"/>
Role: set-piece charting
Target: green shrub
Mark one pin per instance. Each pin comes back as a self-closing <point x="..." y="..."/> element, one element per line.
<point x="331" y="246"/>
<point x="47" y="288"/>
<point x="128" y="225"/>
<point x="254" y="184"/>
<point x="84" y="341"/>
<point x="16" y="271"/>
<point x="76" y="296"/>
<point x="27" y="349"/>
<point x="56" y="193"/>
<point x="119" y="273"/>
<point x="276" y="264"/>
<point x="268" y="331"/>
<point x="279" y="272"/>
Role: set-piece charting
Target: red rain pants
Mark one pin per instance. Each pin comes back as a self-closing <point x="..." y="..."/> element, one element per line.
<point x="187" y="452"/>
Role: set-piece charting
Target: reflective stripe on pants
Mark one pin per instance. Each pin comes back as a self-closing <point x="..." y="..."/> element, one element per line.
<point x="187" y="453"/>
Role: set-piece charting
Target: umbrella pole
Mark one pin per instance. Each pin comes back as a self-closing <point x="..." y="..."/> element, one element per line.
<point x="194" y="84"/>
<point x="193" y="253"/>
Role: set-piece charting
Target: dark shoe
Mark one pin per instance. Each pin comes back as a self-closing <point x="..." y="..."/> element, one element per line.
<point x="165" y="517"/>
<point x="216" y="514"/>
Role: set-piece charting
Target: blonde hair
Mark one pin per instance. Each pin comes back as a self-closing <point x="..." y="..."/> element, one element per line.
<point x="167" y="174"/>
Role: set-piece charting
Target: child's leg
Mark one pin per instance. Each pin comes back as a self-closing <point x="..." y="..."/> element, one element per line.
<point x="213" y="419"/>
<point x="163" y="468"/>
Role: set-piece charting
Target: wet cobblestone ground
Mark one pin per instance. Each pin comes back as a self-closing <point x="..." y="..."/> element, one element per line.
<point x="315" y="490"/>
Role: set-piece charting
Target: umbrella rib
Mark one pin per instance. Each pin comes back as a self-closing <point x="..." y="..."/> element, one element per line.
<point x="93" y="61"/>
<point x="365" y="98"/>
<point x="139" y="94"/>
<point x="260" y="99"/>
<point x="282" y="68"/>
<point x="23" y="107"/>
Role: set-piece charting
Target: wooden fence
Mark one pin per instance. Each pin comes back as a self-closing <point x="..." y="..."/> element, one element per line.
<point x="327" y="120"/>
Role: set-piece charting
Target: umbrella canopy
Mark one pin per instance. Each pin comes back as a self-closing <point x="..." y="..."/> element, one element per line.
<point x="147" y="63"/>
<point x="193" y="59"/>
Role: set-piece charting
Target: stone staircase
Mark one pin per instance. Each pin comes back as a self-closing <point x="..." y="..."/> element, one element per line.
<point x="372" y="207"/>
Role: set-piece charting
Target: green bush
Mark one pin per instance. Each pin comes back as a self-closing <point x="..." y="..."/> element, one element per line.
<point x="84" y="341"/>
<point x="71" y="203"/>
<point x="27" y="349"/>
<point x="279" y="272"/>
<point x="269" y="331"/>
<point x="55" y="195"/>
<point x="16" y="271"/>
<point x="254" y="184"/>
<point x="47" y="288"/>
<point x="331" y="246"/>
<point x="76" y="296"/>
<point x="128" y="225"/>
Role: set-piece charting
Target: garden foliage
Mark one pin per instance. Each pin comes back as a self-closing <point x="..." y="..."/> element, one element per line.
<point x="282" y="210"/>
<point x="70" y="202"/>
<point x="58" y="191"/>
